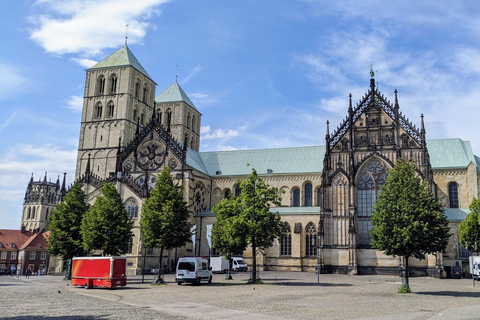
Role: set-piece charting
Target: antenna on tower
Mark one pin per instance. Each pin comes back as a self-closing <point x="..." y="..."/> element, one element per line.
<point x="126" y="33"/>
<point x="176" y="75"/>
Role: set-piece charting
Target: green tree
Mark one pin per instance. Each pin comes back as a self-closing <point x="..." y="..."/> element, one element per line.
<point x="229" y="231"/>
<point x="106" y="225"/>
<point x="469" y="229"/>
<point x="64" y="224"/>
<point x="164" y="222"/>
<point x="252" y="222"/>
<point x="407" y="221"/>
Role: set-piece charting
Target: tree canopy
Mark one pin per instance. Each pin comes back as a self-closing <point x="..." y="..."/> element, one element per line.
<point x="65" y="223"/>
<point x="106" y="225"/>
<point x="247" y="219"/>
<point x="164" y="222"/>
<point x="469" y="229"/>
<point x="407" y="220"/>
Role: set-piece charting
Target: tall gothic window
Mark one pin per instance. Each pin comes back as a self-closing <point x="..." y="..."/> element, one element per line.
<point x="101" y="85"/>
<point x="296" y="197"/>
<point x="111" y="109"/>
<point x="137" y="89"/>
<point x="238" y="190"/>
<point x="227" y="193"/>
<point x="307" y="191"/>
<point x="132" y="208"/>
<point x="159" y="117"/>
<point x="193" y="123"/>
<point x="286" y="245"/>
<point x="371" y="177"/>
<point x="188" y="120"/>
<point x="113" y="84"/>
<point x="453" y="194"/>
<point x="310" y="240"/>
<point x="98" y="111"/>
<point x="319" y="197"/>
<point x="145" y="92"/>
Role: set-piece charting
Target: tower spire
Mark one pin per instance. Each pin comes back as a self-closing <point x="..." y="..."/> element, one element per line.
<point x="126" y="33"/>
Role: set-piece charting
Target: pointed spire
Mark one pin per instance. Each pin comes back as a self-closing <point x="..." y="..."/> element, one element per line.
<point x="45" y="178"/>
<point x="87" y="169"/>
<point x="154" y="116"/>
<point x="350" y="103"/>
<point x="328" y="129"/>
<point x="64" y="184"/>
<point x="31" y="181"/>
<point x="396" y="99"/>
<point x="58" y="181"/>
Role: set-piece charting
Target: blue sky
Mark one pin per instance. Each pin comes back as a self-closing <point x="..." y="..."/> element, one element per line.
<point x="264" y="74"/>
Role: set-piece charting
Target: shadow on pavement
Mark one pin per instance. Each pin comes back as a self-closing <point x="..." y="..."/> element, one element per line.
<point x="450" y="293"/>
<point x="59" y="317"/>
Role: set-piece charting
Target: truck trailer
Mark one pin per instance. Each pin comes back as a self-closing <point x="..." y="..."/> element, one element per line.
<point x="107" y="272"/>
<point x="474" y="262"/>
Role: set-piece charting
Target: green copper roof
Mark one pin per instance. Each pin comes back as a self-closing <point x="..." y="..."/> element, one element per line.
<point x="121" y="57"/>
<point x="174" y="93"/>
<point x="265" y="161"/>
<point x="450" y="153"/>
<point x="456" y="214"/>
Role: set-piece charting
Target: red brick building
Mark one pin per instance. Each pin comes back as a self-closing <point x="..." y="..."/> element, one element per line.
<point x="23" y="249"/>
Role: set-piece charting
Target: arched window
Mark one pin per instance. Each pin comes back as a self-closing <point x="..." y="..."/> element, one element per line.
<point x="191" y="144"/>
<point x="227" y="193"/>
<point x="101" y="85"/>
<point x="46" y="214"/>
<point x="137" y="89"/>
<point x="286" y="245"/>
<point x="159" y="117"/>
<point x="193" y="123"/>
<point x="29" y="213"/>
<point x="33" y="213"/>
<point x="142" y="119"/>
<point x="111" y="109"/>
<point x="310" y="240"/>
<point x="370" y="178"/>
<point x="113" y="84"/>
<point x="135" y="115"/>
<point x="98" y="111"/>
<point x="453" y="194"/>
<point x="296" y="197"/>
<point x="145" y="92"/>
<point x="238" y="190"/>
<point x="132" y="208"/>
<point x="169" y="117"/>
<point x="319" y="197"/>
<point x="188" y="120"/>
<point x="307" y="191"/>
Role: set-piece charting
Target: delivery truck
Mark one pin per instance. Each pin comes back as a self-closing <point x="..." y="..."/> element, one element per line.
<point x="107" y="272"/>
<point x="474" y="262"/>
<point x="219" y="264"/>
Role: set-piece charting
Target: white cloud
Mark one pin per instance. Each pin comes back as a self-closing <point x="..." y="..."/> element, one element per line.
<point x="226" y="148"/>
<point x="75" y="103"/>
<point x="87" y="63"/>
<point x="79" y="27"/>
<point x="217" y="133"/>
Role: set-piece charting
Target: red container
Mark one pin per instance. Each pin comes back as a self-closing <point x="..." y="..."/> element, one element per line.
<point x="107" y="272"/>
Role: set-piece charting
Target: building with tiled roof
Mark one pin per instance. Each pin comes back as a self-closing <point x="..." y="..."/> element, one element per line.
<point x="22" y="250"/>
<point x="128" y="135"/>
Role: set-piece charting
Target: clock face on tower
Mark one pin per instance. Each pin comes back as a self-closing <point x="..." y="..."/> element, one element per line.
<point x="150" y="155"/>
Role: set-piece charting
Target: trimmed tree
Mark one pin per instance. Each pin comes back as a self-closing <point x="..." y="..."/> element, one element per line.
<point x="164" y="222"/>
<point x="469" y="229"/>
<point x="229" y="231"/>
<point x="407" y="220"/>
<point x="252" y="222"/>
<point x="65" y="223"/>
<point x="106" y="225"/>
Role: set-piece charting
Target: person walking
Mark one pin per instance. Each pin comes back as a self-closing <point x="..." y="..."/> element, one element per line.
<point x="28" y="273"/>
<point x="18" y="273"/>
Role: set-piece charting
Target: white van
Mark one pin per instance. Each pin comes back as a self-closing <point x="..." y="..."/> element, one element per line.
<point x="238" y="264"/>
<point x="192" y="269"/>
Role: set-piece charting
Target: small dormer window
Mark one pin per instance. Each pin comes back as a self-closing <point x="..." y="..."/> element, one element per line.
<point x="39" y="245"/>
<point x="1" y="245"/>
<point x="13" y="245"/>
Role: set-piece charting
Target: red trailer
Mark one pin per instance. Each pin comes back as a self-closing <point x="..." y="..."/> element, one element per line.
<point x="108" y="272"/>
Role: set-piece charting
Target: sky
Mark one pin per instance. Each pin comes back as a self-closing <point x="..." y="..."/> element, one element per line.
<point x="264" y="74"/>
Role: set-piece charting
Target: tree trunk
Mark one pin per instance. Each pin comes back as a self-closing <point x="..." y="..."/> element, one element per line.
<point x="407" y="278"/>
<point x="69" y="273"/>
<point x="159" y="279"/>
<point x="254" y="267"/>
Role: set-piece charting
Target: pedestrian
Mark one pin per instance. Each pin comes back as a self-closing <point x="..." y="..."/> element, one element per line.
<point x="18" y="273"/>
<point x="12" y="271"/>
<point x="39" y="272"/>
<point x="28" y="273"/>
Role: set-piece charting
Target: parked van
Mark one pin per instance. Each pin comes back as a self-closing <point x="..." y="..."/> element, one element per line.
<point x="238" y="264"/>
<point x="192" y="269"/>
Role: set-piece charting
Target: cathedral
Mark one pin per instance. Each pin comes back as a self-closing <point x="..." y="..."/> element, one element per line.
<point x="128" y="134"/>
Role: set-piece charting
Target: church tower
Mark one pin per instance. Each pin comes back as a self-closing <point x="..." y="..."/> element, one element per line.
<point x="178" y="113"/>
<point x="40" y="199"/>
<point x="119" y="95"/>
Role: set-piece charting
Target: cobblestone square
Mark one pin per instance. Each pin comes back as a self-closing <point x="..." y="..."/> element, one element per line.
<point x="284" y="295"/>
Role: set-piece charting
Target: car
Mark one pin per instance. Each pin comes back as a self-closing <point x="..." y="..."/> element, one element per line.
<point x="193" y="270"/>
<point x="456" y="272"/>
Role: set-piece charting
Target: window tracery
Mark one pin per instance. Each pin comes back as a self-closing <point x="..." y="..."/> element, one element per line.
<point x="310" y="240"/>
